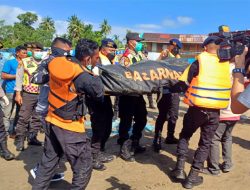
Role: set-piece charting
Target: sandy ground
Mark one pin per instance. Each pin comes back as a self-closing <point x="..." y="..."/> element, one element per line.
<point x="149" y="172"/>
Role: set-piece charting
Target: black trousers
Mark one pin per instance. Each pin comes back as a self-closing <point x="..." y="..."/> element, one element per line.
<point x="3" y="133"/>
<point x="208" y="121"/>
<point x="76" y="148"/>
<point x="116" y="105"/>
<point x="168" y="108"/>
<point x="27" y="116"/>
<point x="131" y="107"/>
<point x="101" y="115"/>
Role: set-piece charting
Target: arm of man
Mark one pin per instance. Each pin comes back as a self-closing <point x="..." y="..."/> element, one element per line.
<point x="19" y="79"/>
<point x="19" y="85"/>
<point x="6" y="70"/>
<point x="90" y="85"/>
<point x="182" y="86"/>
<point x="240" y="98"/>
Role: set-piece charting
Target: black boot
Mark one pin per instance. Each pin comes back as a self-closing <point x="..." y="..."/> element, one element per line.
<point x="97" y="164"/>
<point x="32" y="140"/>
<point x="193" y="179"/>
<point x="171" y="140"/>
<point x="5" y="153"/>
<point x="178" y="174"/>
<point x="19" y="142"/>
<point x="137" y="148"/>
<point x="157" y="143"/>
<point x="105" y="157"/>
<point x="125" y="151"/>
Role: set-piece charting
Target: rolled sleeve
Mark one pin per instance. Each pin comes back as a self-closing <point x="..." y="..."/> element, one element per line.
<point x="19" y="79"/>
<point x="6" y="67"/>
<point x="244" y="97"/>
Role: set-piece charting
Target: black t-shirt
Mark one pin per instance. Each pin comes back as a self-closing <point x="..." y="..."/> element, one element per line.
<point x="182" y="86"/>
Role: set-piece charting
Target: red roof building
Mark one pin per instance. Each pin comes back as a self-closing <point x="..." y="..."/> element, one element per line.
<point x="156" y="42"/>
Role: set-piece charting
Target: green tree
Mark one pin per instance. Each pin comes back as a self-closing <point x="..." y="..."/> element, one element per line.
<point x="105" y="28"/>
<point x="118" y="42"/>
<point x="75" y="29"/>
<point x="45" y="32"/>
<point x="6" y="34"/>
<point x="47" y="24"/>
<point x="27" y="18"/>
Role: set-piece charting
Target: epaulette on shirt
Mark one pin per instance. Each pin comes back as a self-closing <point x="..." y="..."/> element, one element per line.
<point x="126" y="53"/>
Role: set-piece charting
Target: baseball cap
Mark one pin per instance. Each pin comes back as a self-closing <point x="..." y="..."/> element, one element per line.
<point x="133" y="36"/>
<point x="210" y="39"/>
<point x="107" y="42"/>
<point x="176" y="42"/>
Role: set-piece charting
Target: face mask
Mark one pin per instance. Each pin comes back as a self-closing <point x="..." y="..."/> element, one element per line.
<point x="138" y="46"/>
<point x="29" y="53"/>
<point x="38" y="55"/>
<point x="59" y="52"/>
<point x="175" y="51"/>
<point x="72" y="52"/>
<point x="111" y="56"/>
<point x="89" y="67"/>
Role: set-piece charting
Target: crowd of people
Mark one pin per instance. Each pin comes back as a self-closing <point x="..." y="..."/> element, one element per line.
<point x="52" y="92"/>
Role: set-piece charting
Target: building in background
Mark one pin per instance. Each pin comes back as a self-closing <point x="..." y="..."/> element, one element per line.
<point x="156" y="42"/>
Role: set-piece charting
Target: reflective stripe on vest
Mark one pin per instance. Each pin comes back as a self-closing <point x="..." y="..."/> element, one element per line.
<point x="133" y="59"/>
<point x="211" y="88"/>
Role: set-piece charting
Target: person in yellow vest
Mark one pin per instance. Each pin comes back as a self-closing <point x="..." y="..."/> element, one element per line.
<point x="168" y="105"/>
<point x="101" y="113"/>
<point x="131" y="107"/>
<point x="65" y="132"/>
<point x="27" y="97"/>
<point x="172" y="51"/>
<point x="207" y="84"/>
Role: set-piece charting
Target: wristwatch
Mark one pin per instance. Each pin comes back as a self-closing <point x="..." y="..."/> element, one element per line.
<point x="239" y="70"/>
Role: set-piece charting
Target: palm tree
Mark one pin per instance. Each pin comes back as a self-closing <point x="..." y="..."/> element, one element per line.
<point x="105" y="28"/>
<point x="117" y="40"/>
<point x="75" y="28"/>
<point x="47" y="24"/>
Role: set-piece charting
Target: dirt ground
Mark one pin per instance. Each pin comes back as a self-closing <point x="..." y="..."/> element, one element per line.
<point x="149" y="172"/>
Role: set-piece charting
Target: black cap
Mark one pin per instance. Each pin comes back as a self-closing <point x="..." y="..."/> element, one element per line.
<point x="37" y="45"/>
<point x="33" y="45"/>
<point x="107" y="42"/>
<point x="176" y="42"/>
<point x="28" y="44"/>
<point x="210" y="39"/>
<point x="133" y="36"/>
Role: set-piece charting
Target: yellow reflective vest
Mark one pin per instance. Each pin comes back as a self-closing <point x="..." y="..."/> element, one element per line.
<point x="133" y="57"/>
<point x="211" y="87"/>
<point x="30" y="66"/>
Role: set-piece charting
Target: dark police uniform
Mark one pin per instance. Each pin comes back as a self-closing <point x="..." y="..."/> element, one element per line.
<point x="168" y="105"/>
<point x="101" y="115"/>
<point x="131" y="108"/>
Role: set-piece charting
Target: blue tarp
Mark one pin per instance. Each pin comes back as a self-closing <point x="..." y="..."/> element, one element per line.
<point x="115" y="127"/>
